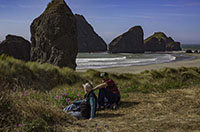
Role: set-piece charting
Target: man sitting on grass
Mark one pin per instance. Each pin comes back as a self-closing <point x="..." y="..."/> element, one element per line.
<point x="109" y="91"/>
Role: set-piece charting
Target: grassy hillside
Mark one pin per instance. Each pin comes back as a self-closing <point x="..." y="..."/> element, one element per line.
<point x="32" y="95"/>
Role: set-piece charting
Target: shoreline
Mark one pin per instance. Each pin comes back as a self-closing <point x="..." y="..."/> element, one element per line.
<point x="137" y="69"/>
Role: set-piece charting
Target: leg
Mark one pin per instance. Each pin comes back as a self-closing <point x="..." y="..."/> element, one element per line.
<point x="103" y="92"/>
<point x="70" y="107"/>
<point x="76" y="114"/>
<point x="101" y="96"/>
<point x="117" y="99"/>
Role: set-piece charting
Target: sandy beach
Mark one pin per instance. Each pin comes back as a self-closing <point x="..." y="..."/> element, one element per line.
<point x="137" y="69"/>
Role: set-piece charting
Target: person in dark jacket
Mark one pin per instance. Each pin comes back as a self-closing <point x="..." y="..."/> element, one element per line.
<point x="86" y="108"/>
<point x="109" y="91"/>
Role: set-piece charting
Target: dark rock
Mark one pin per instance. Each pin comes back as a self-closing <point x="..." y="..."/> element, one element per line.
<point x="196" y="51"/>
<point x="54" y="36"/>
<point x="188" y="51"/>
<point x="173" y="46"/>
<point x="160" y="42"/>
<point x="129" y="42"/>
<point x="88" y="39"/>
<point x="16" y="47"/>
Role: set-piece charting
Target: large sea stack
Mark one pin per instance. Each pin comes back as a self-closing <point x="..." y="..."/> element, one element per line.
<point x="16" y="47"/>
<point x="160" y="42"/>
<point x="54" y="36"/>
<point x="129" y="42"/>
<point x="88" y="39"/>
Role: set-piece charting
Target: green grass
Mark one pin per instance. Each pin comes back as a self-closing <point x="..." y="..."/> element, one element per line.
<point x="33" y="95"/>
<point x="21" y="75"/>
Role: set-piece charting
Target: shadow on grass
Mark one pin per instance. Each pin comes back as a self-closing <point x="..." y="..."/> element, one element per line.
<point x="108" y="115"/>
<point x="127" y="104"/>
<point x="123" y="104"/>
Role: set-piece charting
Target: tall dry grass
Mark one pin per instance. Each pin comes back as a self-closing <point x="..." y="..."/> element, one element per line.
<point x="32" y="95"/>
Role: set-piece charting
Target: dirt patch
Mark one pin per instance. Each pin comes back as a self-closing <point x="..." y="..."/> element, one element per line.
<point x="172" y="111"/>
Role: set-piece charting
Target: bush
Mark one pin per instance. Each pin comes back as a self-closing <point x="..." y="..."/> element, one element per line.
<point x="156" y="74"/>
<point x="190" y="75"/>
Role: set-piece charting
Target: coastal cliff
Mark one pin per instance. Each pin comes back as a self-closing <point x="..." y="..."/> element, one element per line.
<point x="54" y="36"/>
<point x="129" y="42"/>
<point x="160" y="42"/>
<point x="88" y="39"/>
<point x="16" y="47"/>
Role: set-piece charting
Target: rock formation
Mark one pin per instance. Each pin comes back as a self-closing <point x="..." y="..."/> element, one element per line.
<point x="196" y="51"/>
<point x="160" y="42"/>
<point x="54" y="36"/>
<point x="188" y="51"/>
<point x="16" y="47"/>
<point x="129" y="42"/>
<point x="173" y="46"/>
<point x="88" y="39"/>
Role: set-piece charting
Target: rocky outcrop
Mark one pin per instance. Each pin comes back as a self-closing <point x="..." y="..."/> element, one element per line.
<point x="155" y="42"/>
<point x="188" y="51"/>
<point x="54" y="36"/>
<point x="173" y="46"/>
<point x="160" y="42"/>
<point x="16" y="47"/>
<point x="88" y="39"/>
<point x="129" y="42"/>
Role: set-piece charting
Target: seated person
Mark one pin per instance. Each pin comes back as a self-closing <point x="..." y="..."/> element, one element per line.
<point x="108" y="90"/>
<point x="86" y="108"/>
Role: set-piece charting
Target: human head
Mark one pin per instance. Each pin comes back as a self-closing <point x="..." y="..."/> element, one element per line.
<point x="104" y="76"/>
<point x="87" y="87"/>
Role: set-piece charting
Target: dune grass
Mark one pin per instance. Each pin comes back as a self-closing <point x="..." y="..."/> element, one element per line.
<point x="33" y="95"/>
<point x="34" y="75"/>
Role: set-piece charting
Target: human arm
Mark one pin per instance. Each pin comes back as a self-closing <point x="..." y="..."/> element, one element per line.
<point x="78" y="102"/>
<point x="102" y="85"/>
<point x="92" y="107"/>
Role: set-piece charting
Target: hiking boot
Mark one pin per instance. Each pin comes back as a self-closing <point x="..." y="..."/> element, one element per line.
<point x="100" y="108"/>
<point x="114" y="106"/>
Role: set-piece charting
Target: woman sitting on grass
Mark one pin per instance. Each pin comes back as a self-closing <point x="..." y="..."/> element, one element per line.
<point x="86" y="108"/>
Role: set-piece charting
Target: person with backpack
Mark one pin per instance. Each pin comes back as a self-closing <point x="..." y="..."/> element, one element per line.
<point x="107" y="91"/>
<point x="86" y="108"/>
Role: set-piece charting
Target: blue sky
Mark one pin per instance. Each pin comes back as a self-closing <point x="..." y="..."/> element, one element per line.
<point x="110" y="18"/>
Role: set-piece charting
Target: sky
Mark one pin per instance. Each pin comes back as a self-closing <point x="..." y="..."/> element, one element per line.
<point x="179" y="19"/>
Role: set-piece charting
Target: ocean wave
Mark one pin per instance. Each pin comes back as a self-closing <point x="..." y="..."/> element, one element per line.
<point x="87" y="63"/>
<point x="79" y="60"/>
<point x="167" y="58"/>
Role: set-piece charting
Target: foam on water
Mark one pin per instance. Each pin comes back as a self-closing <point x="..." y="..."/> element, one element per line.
<point x="82" y="60"/>
<point x="103" y="60"/>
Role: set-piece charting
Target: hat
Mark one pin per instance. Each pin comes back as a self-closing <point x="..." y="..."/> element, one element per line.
<point x="88" y="85"/>
<point x="104" y="74"/>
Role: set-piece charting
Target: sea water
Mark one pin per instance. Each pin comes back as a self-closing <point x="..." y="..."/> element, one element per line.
<point x="106" y="60"/>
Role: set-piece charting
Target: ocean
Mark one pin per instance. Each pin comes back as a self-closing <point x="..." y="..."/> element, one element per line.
<point x="106" y="60"/>
<point x="190" y="46"/>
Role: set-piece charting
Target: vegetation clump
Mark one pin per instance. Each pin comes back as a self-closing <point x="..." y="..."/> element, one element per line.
<point x="53" y="3"/>
<point x="34" y="75"/>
